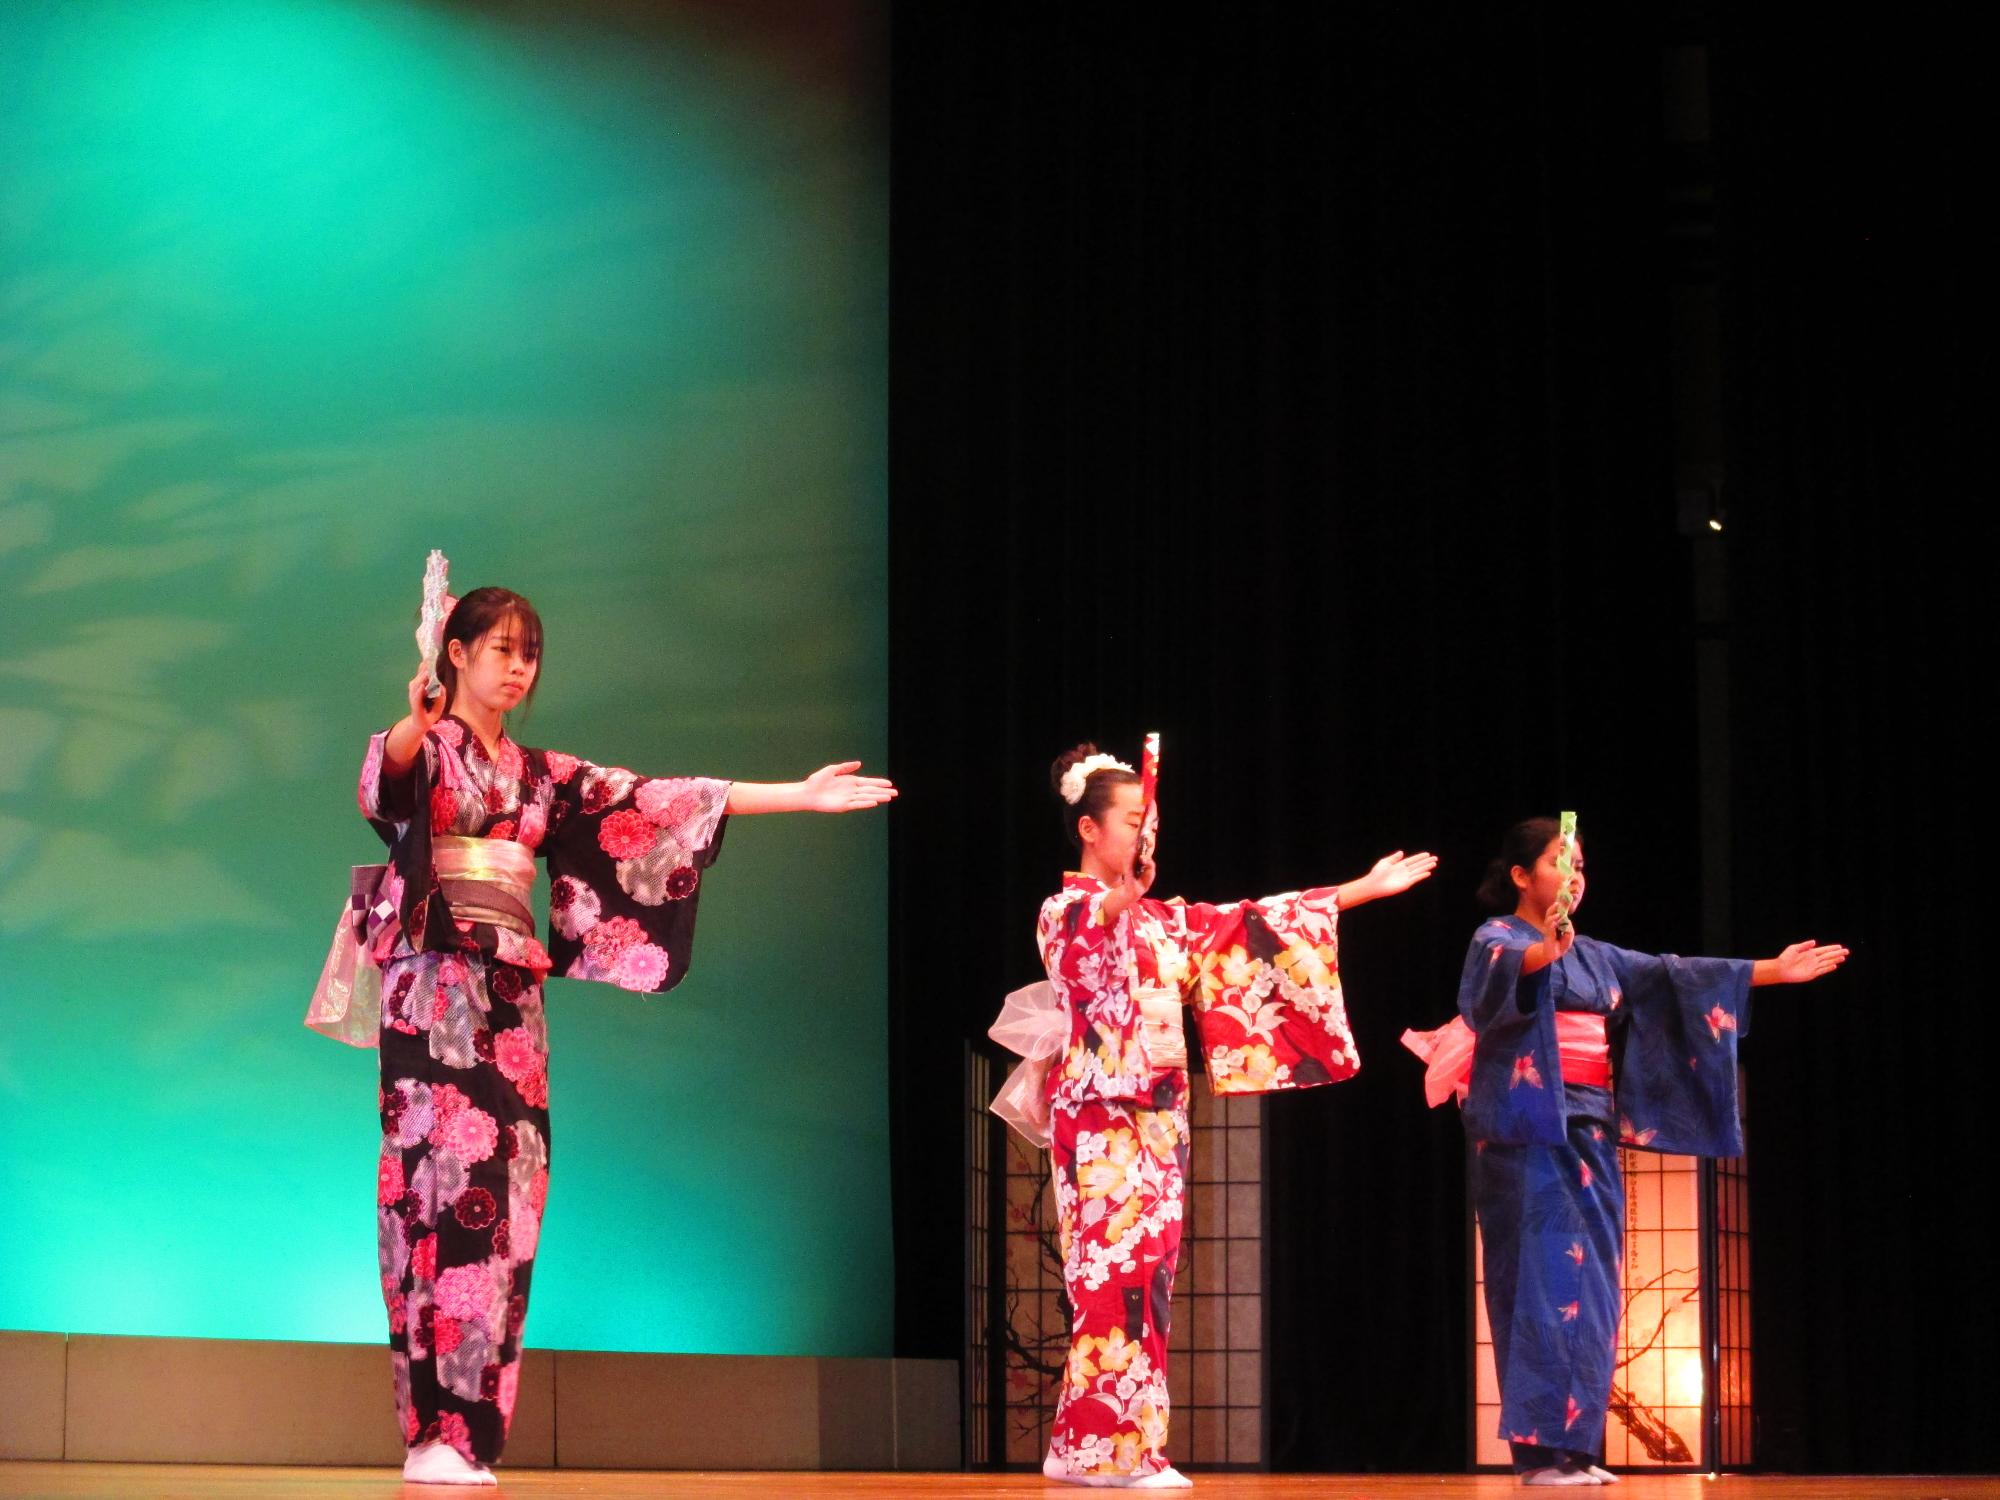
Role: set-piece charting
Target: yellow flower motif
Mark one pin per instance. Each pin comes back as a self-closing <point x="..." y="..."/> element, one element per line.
<point x="1305" y="964"/>
<point x="1120" y="1224"/>
<point x="1208" y="973"/>
<point x="1105" y="1176"/>
<point x="1224" y="969"/>
<point x="1127" y="1449"/>
<point x="1156" y="1130"/>
<point x="1091" y="1356"/>
<point x="1239" y="969"/>
<point x="1119" y="1351"/>
<point x="1243" y="1070"/>
<point x="1124" y="1057"/>
<point x="1260" y="1066"/>
<point x="1082" y="1370"/>
<point x="1152" y="1426"/>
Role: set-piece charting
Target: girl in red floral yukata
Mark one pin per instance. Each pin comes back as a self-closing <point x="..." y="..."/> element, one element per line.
<point x="465" y="1123"/>
<point x="1262" y="977"/>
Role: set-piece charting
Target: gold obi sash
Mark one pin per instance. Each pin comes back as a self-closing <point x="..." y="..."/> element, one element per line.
<point x="1160" y="1026"/>
<point x="486" y="880"/>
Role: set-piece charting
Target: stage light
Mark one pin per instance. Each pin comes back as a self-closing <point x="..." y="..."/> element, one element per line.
<point x="1699" y="507"/>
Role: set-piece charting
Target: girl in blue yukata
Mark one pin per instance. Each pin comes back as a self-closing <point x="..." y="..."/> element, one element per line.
<point x="1566" y="1048"/>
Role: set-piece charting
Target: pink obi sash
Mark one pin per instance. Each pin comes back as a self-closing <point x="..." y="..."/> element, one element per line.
<point x="1584" y="1048"/>
<point x="1582" y="1045"/>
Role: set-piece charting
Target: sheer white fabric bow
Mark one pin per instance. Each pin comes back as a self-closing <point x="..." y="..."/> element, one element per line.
<point x="1034" y="1025"/>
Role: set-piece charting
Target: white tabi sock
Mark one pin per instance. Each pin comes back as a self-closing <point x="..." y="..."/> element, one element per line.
<point x="1168" y="1478"/>
<point x="1554" y="1476"/>
<point x="440" y="1463"/>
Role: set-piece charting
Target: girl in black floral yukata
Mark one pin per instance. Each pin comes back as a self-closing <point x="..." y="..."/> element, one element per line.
<point x="465" y="1123"/>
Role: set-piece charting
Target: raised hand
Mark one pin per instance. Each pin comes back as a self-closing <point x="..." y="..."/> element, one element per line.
<point x="1128" y="888"/>
<point x="1149" y="841"/>
<point x="1561" y="929"/>
<point x="425" y="711"/>
<point x="1395" y="873"/>
<point x="836" y="789"/>
<point x="406" y="736"/>
<point x="1388" y="876"/>
<point x="1805" y="961"/>
<point x="1144" y="873"/>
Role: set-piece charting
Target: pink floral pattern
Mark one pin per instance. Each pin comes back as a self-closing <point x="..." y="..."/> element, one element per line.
<point x="469" y="1135"/>
<point x="463" y="1175"/>
<point x="609" y="939"/>
<point x="465" y="1292"/>
<point x="389" y="1177"/>
<point x="626" y="834"/>
<point x="573" y="907"/>
<point x="642" y="967"/>
<point x="515" y="1053"/>
<point x="534" y="824"/>
<point x="452" y="1429"/>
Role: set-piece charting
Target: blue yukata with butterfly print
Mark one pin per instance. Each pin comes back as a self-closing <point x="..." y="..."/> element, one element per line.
<point x="1546" y="1182"/>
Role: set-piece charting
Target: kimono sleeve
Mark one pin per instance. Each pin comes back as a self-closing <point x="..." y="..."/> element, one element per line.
<point x="1088" y="957"/>
<point x="1516" y="1091"/>
<point x="626" y="855"/>
<point x="1675" y="1053"/>
<point x="387" y="800"/>
<point x="1265" y="987"/>
<point x="390" y="805"/>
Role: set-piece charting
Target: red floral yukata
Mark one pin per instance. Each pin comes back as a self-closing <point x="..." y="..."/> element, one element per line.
<point x="1263" y="979"/>
<point x="464" y="1170"/>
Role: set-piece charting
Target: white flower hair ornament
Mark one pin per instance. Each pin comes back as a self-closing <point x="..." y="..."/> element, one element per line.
<point x="1074" y="778"/>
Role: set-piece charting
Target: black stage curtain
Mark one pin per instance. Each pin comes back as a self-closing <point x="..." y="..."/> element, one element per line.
<point x="1856" y="352"/>
<point x="1296" y="382"/>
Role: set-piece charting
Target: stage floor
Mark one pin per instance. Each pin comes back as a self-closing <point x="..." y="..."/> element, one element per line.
<point x="55" y="1481"/>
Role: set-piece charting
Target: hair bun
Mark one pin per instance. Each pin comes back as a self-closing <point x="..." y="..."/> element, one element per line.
<point x="1063" y="762"/>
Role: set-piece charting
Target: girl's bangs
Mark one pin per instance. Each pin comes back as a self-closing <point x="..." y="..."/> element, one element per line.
<point x="520" y="622"/>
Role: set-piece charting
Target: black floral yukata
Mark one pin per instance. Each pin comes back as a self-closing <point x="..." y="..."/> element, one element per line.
<point x="464" y="1170"/>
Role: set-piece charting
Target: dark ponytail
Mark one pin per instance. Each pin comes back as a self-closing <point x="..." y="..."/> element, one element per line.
<point x="1098" y="789"/>
<point x="1522" y="846"/>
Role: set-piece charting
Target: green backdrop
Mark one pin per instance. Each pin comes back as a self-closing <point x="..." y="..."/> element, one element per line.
<point x="591" y="297"/>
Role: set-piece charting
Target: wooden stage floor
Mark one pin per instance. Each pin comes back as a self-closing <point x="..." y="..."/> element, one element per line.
<point x="58" y="1481"/>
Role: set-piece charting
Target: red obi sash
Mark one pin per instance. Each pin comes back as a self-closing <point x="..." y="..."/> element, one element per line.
<point x="1584" y="1048"/>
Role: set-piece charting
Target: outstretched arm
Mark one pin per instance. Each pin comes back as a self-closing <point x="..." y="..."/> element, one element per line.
<point x="1391" y="874"/>
<point x="1799" y="963"/>
<point x="830" y="789"/>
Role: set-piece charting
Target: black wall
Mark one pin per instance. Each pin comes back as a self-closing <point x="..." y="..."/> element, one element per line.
<point x="1302" y="384"/>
